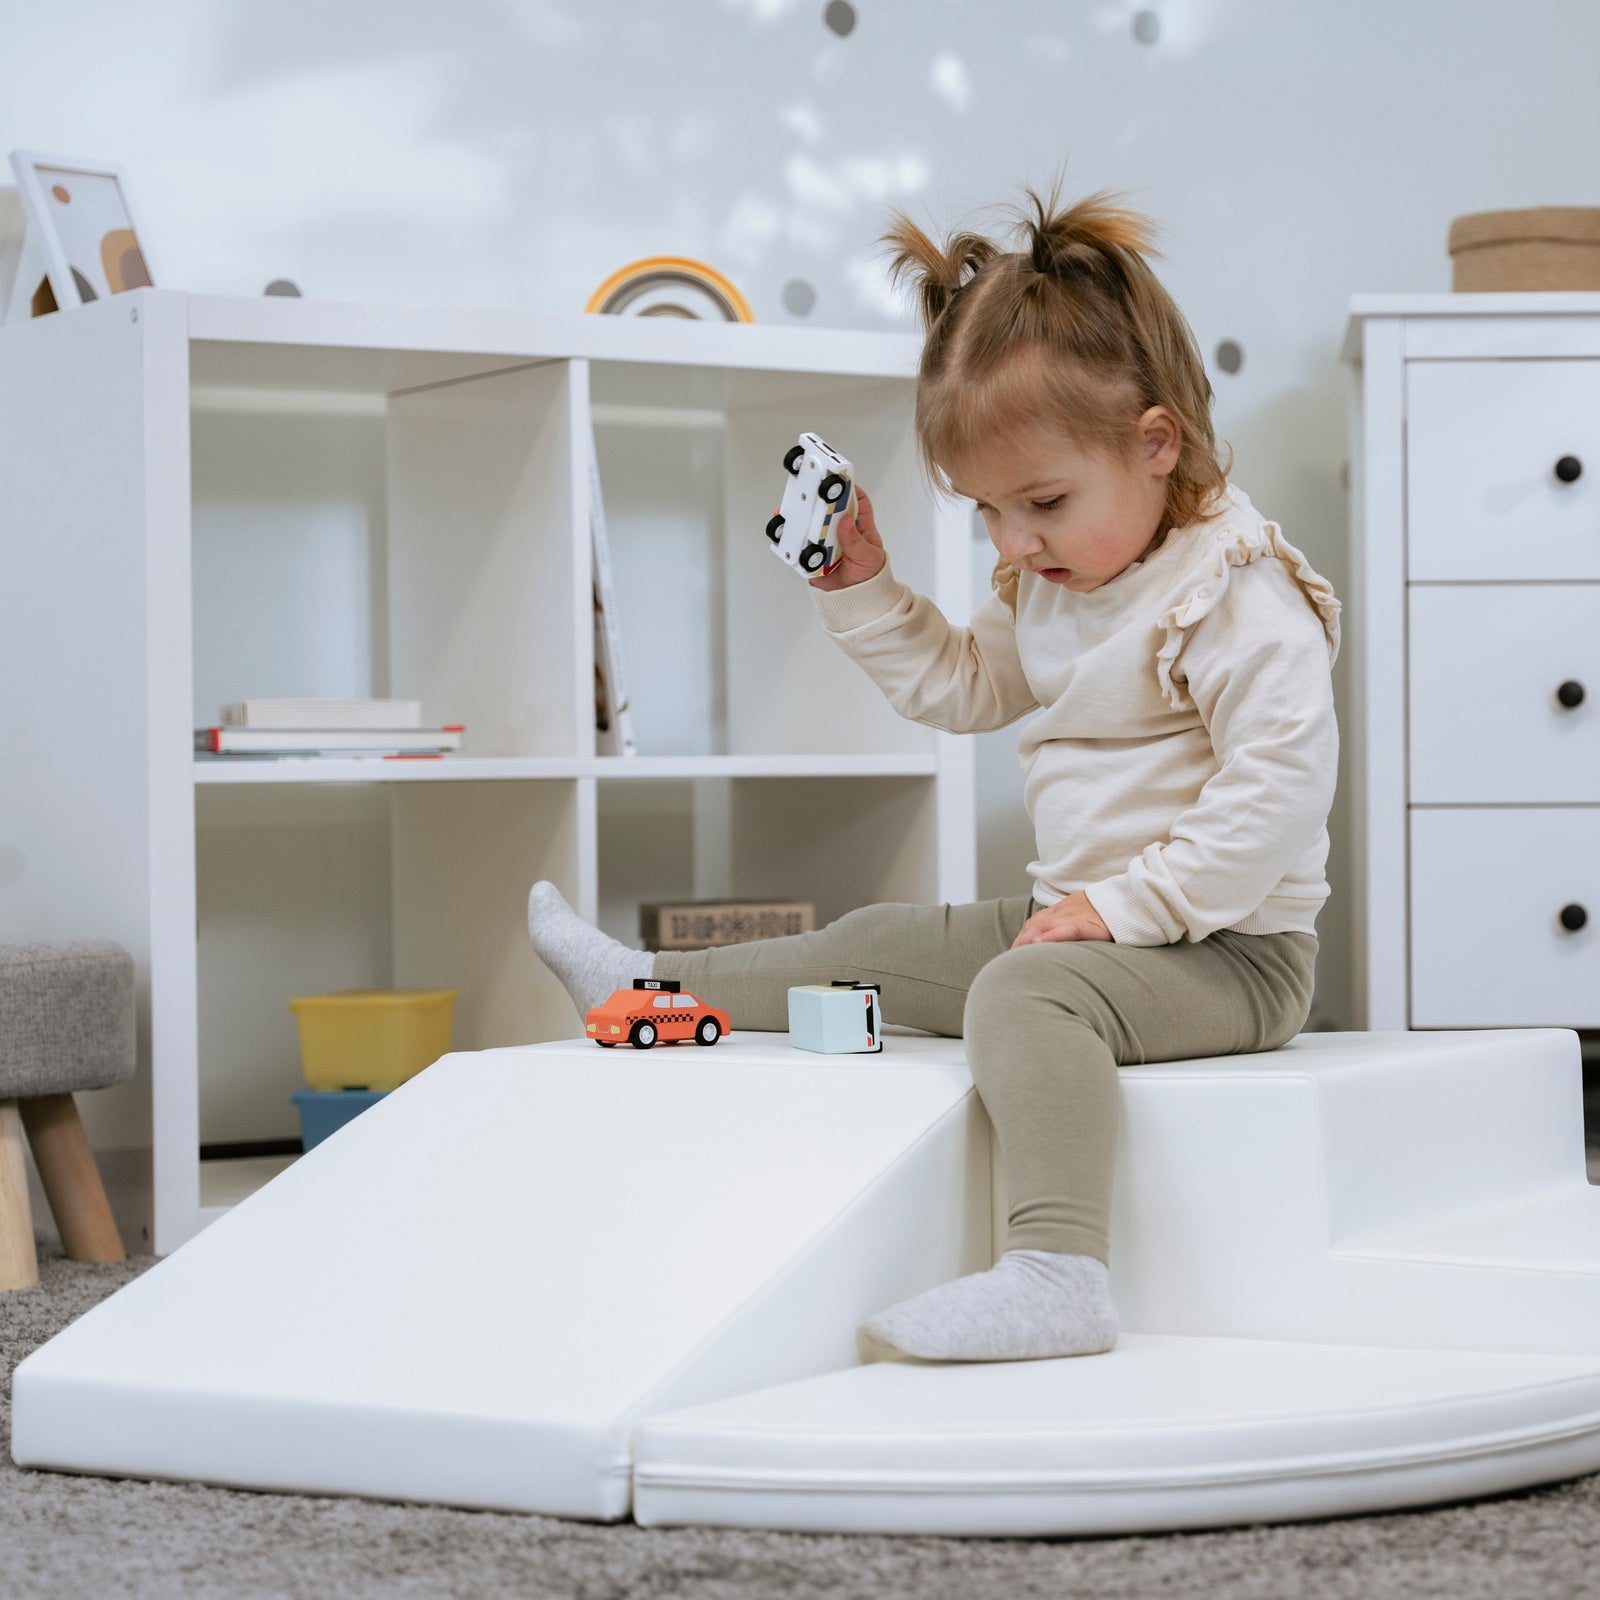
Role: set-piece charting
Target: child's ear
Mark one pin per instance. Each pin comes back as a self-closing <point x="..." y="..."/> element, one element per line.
<point x="1160" y="440"/>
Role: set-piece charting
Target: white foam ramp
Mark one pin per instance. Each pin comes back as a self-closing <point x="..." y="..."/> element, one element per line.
<point x="1362" y="1271"/>
<point x="471" y="1293"/>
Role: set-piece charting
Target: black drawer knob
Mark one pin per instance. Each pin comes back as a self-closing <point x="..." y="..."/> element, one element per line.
<point x="1573" y="917"/>
<point x="1570" y="693"/>
<point x="1569" y="469"/>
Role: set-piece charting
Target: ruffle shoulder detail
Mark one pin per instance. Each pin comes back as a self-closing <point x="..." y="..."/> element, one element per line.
<point x="1004" y="580"/>
<point x="1237" y="547"/>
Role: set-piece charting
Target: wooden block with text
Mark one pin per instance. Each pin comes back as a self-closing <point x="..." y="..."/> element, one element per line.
<point x="705" y="924"/>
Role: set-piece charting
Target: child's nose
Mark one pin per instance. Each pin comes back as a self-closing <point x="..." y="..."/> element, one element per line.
<point x="1016" y="540"/>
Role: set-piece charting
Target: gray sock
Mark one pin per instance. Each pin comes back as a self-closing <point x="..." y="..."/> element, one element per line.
<point x="589" y="963"/>
<point x="1032" y="1304"/>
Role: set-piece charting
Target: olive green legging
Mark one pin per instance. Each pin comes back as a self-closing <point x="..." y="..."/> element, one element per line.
<point x="1046" y="1026"/>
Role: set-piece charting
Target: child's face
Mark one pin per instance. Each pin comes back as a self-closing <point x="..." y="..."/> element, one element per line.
<point x="1074" y="516"/>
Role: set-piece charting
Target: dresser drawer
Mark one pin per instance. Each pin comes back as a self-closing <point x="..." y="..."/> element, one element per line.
<point x="1483" y="499"/>
<point x="1489" y="665"/>
<point x="1488" y="949"/>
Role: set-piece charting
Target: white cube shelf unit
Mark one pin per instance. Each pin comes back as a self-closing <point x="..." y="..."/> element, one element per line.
<point x="209" y="498"/>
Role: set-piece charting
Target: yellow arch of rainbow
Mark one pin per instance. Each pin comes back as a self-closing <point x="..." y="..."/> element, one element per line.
<point x="668" y="269"/>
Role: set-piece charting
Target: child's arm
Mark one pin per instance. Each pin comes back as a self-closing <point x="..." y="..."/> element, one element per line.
<point x="963" y="680"/>
<point x="1257" y="670"/>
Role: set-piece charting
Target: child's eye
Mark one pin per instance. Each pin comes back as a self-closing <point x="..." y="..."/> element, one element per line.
<point x="1050" y="504"/>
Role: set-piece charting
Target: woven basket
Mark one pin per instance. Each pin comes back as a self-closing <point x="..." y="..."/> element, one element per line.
<point x="1543" y="247"/>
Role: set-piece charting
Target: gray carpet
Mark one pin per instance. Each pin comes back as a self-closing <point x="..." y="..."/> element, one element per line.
<point x="75" y="1538"/>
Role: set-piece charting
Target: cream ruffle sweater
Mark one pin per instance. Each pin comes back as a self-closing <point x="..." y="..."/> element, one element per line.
<point x="1181" y="766"/>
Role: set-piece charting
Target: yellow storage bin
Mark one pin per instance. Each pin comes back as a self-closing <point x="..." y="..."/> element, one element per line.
<point x="372" y="1038"/>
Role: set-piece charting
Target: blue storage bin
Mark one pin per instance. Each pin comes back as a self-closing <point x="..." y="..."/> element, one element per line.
<point x="325" y="1111"/>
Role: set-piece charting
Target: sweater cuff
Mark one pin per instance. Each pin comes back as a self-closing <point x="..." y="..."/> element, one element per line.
<point x="1128" y="921"/>
<point x="842" y="610"/>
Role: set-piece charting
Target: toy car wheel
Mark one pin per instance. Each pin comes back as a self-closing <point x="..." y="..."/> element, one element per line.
<point x="606" y="1044"/>
<point x="643" y="1035"/>
<point x="708" y="1032"/>
<point x="813" y="557"/>
<point x="832" y="489"/>
<point x="791" y="461"/>
<point x="775" y="529"/>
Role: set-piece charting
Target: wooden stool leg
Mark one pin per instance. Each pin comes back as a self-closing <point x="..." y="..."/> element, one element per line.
<point x="71" y="1179"/>
<point x="19" y="1269"/>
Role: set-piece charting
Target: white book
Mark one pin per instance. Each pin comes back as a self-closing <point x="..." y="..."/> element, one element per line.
<point x="317" y="741"/>
<point x="613" y="712"/>
<point x="289" y="713"/>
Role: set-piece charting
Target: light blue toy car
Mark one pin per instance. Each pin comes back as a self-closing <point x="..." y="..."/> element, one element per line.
<point x="838" y="1018"/>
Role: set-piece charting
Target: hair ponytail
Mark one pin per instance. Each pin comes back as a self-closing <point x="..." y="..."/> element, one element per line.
<point x="1085" y="237"/>
<point x="936" y="275"/>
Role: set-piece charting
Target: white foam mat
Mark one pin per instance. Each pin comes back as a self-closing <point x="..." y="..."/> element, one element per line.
<point x="1162" y="1433"/>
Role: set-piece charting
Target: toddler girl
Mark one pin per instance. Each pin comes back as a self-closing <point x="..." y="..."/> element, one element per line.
<point x="1174" y="650"/>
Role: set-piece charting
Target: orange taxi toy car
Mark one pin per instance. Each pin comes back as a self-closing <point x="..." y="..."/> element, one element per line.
<point x="654" y="1008"/>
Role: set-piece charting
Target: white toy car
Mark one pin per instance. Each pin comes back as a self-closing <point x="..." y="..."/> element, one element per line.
<point x="820" y="488"/>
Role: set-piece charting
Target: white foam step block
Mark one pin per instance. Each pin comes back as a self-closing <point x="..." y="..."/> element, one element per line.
<point x="472" y="1292"/>
<point x="1422" y="1189"/>
<point x="1162" y="1433"/>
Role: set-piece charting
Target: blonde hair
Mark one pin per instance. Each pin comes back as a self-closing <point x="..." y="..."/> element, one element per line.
<point x="1073" y="330"/>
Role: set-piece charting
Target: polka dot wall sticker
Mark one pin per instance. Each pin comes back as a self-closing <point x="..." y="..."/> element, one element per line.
<point x="840" y="16"/>
<point x="1146" y="27"/>
<point x="1230" y="355"/>
<point x="283" y="286"/>
<point x="799" y="297"/>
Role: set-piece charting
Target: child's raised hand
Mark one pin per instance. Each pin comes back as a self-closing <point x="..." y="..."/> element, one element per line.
<point x="1071" y="918"/>
<point x="861" y="552"/>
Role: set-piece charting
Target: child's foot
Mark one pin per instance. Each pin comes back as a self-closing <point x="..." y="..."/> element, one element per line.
<point x="1030" y="1305"/>
<point x="589" y="963"/>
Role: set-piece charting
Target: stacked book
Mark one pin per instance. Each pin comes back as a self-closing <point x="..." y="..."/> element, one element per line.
<point x="325" y="728"/>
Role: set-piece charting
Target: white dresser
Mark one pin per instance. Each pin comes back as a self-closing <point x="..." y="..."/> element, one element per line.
<point x="1474" y="639"/>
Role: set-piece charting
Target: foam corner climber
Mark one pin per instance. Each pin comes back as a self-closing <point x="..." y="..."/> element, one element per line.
<point x="838" y="1018"/>
<point x="1358" y="1273"/>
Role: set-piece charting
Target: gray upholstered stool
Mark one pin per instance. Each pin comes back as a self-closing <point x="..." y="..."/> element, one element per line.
<point x="66" y="1023"/>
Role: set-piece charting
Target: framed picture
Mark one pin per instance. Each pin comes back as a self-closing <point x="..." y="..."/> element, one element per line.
<point x="82" y="229"/>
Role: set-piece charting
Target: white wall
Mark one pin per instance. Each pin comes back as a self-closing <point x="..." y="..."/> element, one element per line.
<point x="513" y="154"/>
